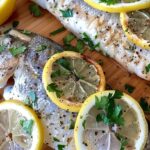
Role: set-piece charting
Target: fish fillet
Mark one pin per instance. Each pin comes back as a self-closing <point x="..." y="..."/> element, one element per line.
<point x="103" y="28"/>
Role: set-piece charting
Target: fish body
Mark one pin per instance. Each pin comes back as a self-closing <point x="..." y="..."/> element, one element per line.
<point x="27" y="70"/>
<point x="104" y="29"/>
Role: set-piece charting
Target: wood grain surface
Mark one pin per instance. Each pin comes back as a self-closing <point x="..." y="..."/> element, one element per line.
<point x="116" y="75"/>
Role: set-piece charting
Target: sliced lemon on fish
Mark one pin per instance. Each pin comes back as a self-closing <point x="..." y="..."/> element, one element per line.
<point x="110" y="120"/>
<point x="136" y="26"/>
<point x="115" y="6"/>
<point x="20" y="128"/>
<point x="6" y="9"/>
<point x="69" y="78"/>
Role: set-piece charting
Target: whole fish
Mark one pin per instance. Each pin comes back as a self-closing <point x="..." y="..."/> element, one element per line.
<point x="104" y="29"/>
<point x="27" y="69"/>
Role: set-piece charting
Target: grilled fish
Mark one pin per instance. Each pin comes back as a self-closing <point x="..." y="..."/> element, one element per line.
<point x="27" y="70"/>
<point x="104" y="29"/>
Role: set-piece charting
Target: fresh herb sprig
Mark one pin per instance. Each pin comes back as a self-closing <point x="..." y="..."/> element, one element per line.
<point x="67" y="13"/>
<point x="145" y="106"/>
<point x="112" y="112"/>
<point x="35" y="10"/>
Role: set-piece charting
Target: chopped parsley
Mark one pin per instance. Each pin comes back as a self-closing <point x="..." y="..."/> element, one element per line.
<point x="15" y="24"/>
<point x="89" y="41"/>
<point x="61" y="147"/>
<point x="79" y="47"/>
<point x="15" y="51"/>
<point x="55" y="139"/>
<point x="72" y="124"/>
<point x="67" y="13"/>
<point x="129" y="88"/>
<point x="31" y="99"/>
<point x="41" y="47"/>
<point x="58" y="31"/>
<point x="147" y="68"/>
<point x="35" y="10"/>
<point x="112" y="112"/>
<point x="54" y="88"/>
<point x="2" y="48"/>
<point x="26" y="32"/>
<point x="64" y="63"/>
<point x="27" y="125"/>
<point x="145" y="106"/>
<point x="123" y="141"/>
<point x="109" y="2"/>
<point x="83" y="124"/>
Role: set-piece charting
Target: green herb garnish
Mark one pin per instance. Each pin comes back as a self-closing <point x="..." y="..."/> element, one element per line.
<point x="110" y="2"/>
<point x="68" y="39"/>
<point x="147" y="68"/>
<point x="26" y="32"/>
<point x="112" y="112"/>
<point x="55" y="139"/>
<point x="31" y="99"/>
<point x="123" y="141"/>
<point x="83" y="124"/>
<point x="72" y="124"/>
<point x="61" y="147"/>
<point x="67" y="13"/>
<point x="41" y="47"/>
<point x="15" y="51"/>
<point x="54" y="88"/>
<point x="2" y="48"/>
<point x="89" y="41"/>
<point x="35" y="10"/>
<point x="145" y="106"/>
<point x="27" y="125"/>
<point x="129" y="88"/>
<point x="58" y="31"/>
<point x="64" y="63"/>
<point x="15" y="24"/>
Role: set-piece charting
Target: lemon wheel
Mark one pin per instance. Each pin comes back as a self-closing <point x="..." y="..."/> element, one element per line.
<point x="136" y="26"/>
<point x="20" y="128"/>
<point x="69" y="78"/>
<point x="115" y="6"/>
<point x="6" y="9"/>
<point x="110" y="119"/>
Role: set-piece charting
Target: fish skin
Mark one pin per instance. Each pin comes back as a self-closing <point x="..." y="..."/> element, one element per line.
<point x="107" y="27"/>
<point x="28" y="77"/>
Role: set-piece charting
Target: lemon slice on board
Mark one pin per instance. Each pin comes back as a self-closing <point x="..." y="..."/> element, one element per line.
<point x="6" y="9"/>
<point x="20" y="128"/>
<point x="136" y="26"/>
<point x="115" y="6"/>
<point x="69" y="78"/>
<point x="110" y="120"/>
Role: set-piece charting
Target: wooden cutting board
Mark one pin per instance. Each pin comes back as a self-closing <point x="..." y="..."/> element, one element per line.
<point x="116" y="75"/>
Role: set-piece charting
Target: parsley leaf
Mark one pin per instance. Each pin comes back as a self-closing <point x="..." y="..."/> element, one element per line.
<point x="54" y="88"/>
<point x="15" y="51"/>
<point x="41" y="47"/>
<point x="31" y="99"/>
<point x="67" y="13"/>
<point x="35" y="10"/>
<point x="112" y="113"/>
<point x="26" y="32"/>
<point x="89" y="41"/>
<point x="58" y="31"/>
<point x="110" y="2"/>
<point x="64" y="63"/>
<point x="55" y="139"/>
<point x="2" y="48"/>
<point x="145" y="106"/>
<point x="27" y="125"/>
<point x="129" y="88"/>
<point x="147" y="68"/>
<point x="68" y="39"/>
<point x="123" y="141"/>
<point x="72" y="124"/>
<point x="61" y="147"/>
<point x="83" y="124"/>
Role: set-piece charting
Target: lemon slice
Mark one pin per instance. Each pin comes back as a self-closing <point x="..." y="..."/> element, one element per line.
<point x="69" y="78"/>
<point x="6" y="9"/>
<point x="115" y="6"/>
<point x="110" y="120"/>
<point x="136" y="26"/>
<point x="20" y="128"/>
